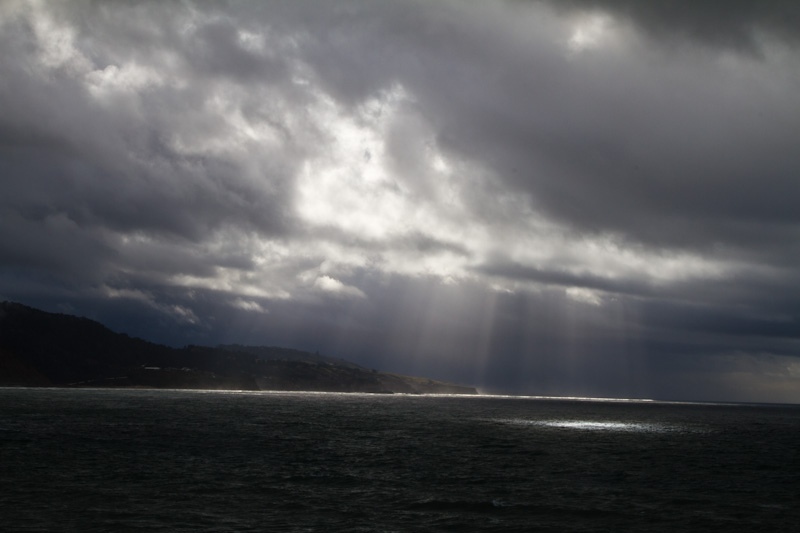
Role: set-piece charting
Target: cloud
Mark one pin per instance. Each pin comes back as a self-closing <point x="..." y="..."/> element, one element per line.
<point x="537" y="195"/>
<point x="334" y="286"/>
<point x="739" y="25"/>
<point x="248" y="305"/>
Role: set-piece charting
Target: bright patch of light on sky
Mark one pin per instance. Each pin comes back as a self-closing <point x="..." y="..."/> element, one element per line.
<point x="332" y="190"/>
<point x="589" y="32"/>
<point x="233" y="281"/>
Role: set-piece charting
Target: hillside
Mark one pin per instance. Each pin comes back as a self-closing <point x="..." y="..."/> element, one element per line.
<point x="49" y="349"/>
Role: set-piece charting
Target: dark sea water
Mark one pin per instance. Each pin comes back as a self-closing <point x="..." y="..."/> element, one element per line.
<point x="128" y="460"/>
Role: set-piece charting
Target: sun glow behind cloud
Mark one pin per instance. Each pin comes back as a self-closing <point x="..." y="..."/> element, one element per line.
<point x="589" y="31"/>
<point x="346" y="187"/>
<point x="352" y="187"/>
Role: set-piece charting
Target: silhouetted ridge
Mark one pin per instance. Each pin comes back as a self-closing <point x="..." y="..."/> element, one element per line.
<point x="288" y="354"/>
<point x="38" y="348"/>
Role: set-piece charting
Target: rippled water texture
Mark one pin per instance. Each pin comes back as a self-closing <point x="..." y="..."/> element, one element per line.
<point x="127" y="460"/>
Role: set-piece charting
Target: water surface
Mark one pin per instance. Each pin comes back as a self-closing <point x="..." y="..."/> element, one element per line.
<point x="127" y="460"/>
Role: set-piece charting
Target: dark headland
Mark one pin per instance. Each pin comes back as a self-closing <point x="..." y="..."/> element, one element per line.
<point x="41" y="349"/>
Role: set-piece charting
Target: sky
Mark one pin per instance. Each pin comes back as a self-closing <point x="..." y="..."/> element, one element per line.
<point x="581" y="198"/>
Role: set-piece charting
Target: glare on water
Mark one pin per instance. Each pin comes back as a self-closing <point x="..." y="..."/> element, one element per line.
<point x="591" y="425"/>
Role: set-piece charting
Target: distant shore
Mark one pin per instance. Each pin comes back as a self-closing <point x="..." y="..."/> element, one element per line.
<point x="40" y="349"/>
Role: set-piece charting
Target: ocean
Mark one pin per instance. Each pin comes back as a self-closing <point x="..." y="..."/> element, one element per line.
<point x="166" y="460"/>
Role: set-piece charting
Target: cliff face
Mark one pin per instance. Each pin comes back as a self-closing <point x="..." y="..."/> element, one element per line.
<point x="47" y="349"/>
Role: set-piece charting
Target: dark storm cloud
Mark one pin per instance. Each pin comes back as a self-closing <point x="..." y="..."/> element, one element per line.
<point x="78" y="173"/>
<point x="564" y="197"/>
<point x="649" y="152"/>
<point x="737" y="24"/>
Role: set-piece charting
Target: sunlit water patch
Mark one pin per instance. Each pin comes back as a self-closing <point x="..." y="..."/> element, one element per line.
<point x="593" y="425"/>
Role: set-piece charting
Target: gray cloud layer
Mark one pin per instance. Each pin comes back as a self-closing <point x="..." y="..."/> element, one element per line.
<point x="561" y="198"/>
